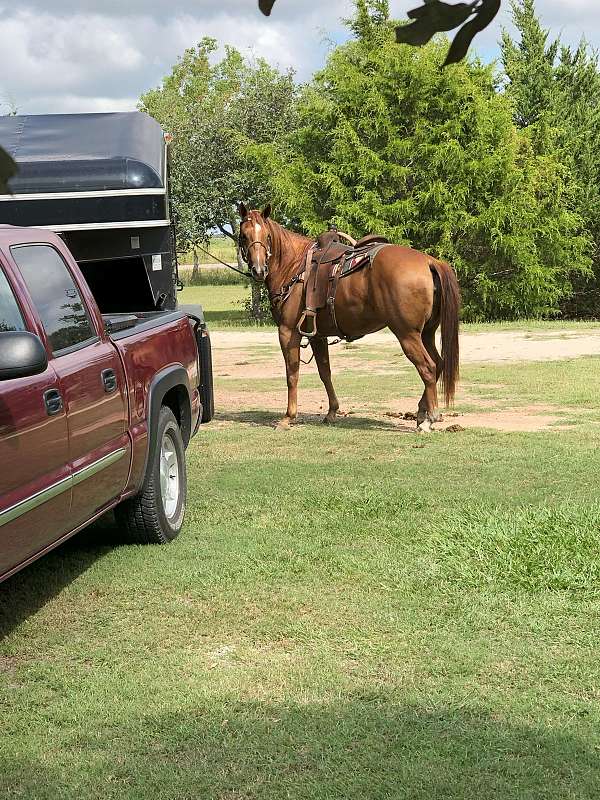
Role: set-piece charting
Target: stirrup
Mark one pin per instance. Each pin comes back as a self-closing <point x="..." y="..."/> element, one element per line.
<point x="312" y="315"/>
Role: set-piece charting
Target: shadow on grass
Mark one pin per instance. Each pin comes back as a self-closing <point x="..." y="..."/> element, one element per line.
<point x="372" y="748"/>
<point x="29" y="590"/>
<point x="270" y="419"/>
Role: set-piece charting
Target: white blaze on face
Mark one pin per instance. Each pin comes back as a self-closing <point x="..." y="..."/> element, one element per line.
<point x="257" y="232"/>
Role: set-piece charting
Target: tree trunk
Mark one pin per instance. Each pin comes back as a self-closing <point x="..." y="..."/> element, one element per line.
<point x="196" y="269"/>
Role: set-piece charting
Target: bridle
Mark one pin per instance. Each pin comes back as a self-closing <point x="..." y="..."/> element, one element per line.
<point x="245" y="251"/>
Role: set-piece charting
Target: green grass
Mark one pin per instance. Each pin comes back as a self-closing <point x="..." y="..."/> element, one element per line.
<point x="533" y="325"/>
<point x="223" y="305"/>
<point x="349" y="613"/>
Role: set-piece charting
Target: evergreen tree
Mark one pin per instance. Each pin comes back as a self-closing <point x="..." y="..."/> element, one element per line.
<point x="529" y="65"/>
<point x="389" y="142"/>
<point x="555" y="93"/>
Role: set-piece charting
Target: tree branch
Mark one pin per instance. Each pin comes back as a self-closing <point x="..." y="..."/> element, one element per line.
<point x="227" y="233"/>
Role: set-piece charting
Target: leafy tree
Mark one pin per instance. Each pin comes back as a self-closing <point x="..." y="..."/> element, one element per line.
<point x="388" y="142"/>
<point x="215" y="112"/>
<point x="555" y="93"/>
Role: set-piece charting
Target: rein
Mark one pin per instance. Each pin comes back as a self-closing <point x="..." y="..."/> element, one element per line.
<point x="248" y="274"/>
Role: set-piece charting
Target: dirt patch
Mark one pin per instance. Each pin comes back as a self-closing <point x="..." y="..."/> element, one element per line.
<point x="9" y="663"/>
<point x="254" y="355"/>
<point x="492" y="347"/>
<point x="266" y="408"/>
<point x="513" y="421"/>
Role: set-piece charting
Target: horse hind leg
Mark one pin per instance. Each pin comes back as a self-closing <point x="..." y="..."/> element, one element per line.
<point x="320" y="348"/>
<point x="415" y="350"/>
<point x="428" y="338"/>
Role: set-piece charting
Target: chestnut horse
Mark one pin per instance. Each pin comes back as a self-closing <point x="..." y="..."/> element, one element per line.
<point x="404" y="290"/>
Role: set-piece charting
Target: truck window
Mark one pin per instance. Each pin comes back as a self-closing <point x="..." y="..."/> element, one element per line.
<point x="10" y="315"/>
<point x="56" y="296"/>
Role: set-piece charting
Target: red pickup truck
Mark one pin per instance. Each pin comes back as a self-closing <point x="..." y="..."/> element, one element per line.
<point x="95" y="411"/>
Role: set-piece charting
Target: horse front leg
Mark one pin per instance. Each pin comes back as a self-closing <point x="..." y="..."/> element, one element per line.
<point x="320" y="348"/>
<point x="289" y="340"/>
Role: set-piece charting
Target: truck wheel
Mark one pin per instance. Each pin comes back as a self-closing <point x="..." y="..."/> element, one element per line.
<point x="155" y="516"/>
<point x="206" y="379"/>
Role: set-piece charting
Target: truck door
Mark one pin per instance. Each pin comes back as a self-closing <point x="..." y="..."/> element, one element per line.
<point x="35" y="483"/>
<point x="91" y="378"/>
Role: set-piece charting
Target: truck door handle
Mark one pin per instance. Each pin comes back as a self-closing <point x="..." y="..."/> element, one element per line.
<point x="53" y="402"/>
<point x="109" y="379"/>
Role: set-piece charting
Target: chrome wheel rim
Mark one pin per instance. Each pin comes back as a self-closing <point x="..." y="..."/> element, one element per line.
<point x="169" y="476"/>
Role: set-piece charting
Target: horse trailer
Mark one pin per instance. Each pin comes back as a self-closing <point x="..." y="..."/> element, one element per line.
<point x="101" y="182"/>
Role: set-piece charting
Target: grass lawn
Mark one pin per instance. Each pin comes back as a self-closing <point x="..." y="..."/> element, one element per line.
<point x="223" y="305"/>
<point x="349" y="613"/>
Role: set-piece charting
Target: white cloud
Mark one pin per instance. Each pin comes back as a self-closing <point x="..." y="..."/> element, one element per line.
<point x="102" y="54"/>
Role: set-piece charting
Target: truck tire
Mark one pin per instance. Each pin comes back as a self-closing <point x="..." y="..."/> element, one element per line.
<point x="206" y="379"/>
<point x="156" y="514"/>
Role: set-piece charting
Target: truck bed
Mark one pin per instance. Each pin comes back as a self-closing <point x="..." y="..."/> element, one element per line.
<point x="120" y="326"/>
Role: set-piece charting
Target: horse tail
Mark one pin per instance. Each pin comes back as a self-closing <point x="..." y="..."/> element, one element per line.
<point x="449" y="319"/>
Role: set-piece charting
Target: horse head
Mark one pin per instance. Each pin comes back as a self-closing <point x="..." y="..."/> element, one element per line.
<point x="255" y="240"/>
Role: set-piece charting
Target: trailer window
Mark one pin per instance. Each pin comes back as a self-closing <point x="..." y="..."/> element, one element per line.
<point x="56" y="296"/>
<point x="10" y="315"/>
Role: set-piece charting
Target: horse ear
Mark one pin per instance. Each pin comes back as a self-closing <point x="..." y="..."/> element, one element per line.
<point x="243" y="211"/>
<point x="267" y="212"/>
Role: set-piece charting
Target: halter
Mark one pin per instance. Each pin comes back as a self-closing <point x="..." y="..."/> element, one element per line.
<point x="245" y="251"/>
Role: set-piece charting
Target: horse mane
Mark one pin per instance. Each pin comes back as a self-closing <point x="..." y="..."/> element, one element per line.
<point x="289" y="249"/>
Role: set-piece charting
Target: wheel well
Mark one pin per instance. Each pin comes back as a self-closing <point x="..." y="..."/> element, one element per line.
<point x="177" y="400"/>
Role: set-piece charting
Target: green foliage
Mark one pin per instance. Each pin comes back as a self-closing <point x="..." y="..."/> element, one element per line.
<point x="555" y="92"/>
<point x="529" y="66"/>
<point x="8" y="169"/>
<point x="215" y="111"/>
<point x="257" y="307"/>
<point x="388" y="142"/>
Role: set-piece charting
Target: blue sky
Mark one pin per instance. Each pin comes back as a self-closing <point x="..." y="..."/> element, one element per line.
<point x="100" y="55"/>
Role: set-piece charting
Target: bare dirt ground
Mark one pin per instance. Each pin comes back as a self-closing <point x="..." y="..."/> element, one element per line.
<point x="251" y="356"/>
<point x="493" y="347"/>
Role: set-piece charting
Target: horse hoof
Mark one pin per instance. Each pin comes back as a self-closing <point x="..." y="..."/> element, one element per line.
<point x="284" y="425"/>
<point x="424" y="427"/>
<point x="330" y="420"/>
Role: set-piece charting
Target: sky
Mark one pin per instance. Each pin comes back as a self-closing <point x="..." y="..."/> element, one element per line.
<point x="101" y="55"/>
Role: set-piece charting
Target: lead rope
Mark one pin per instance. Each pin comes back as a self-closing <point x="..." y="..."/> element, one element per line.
<point x="247" y="275"/>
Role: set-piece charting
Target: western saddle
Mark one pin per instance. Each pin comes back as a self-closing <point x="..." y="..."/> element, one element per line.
<point x="328" y="260"/>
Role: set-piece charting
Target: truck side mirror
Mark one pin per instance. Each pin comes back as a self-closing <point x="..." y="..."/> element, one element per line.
<point x="22" y="355"/>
